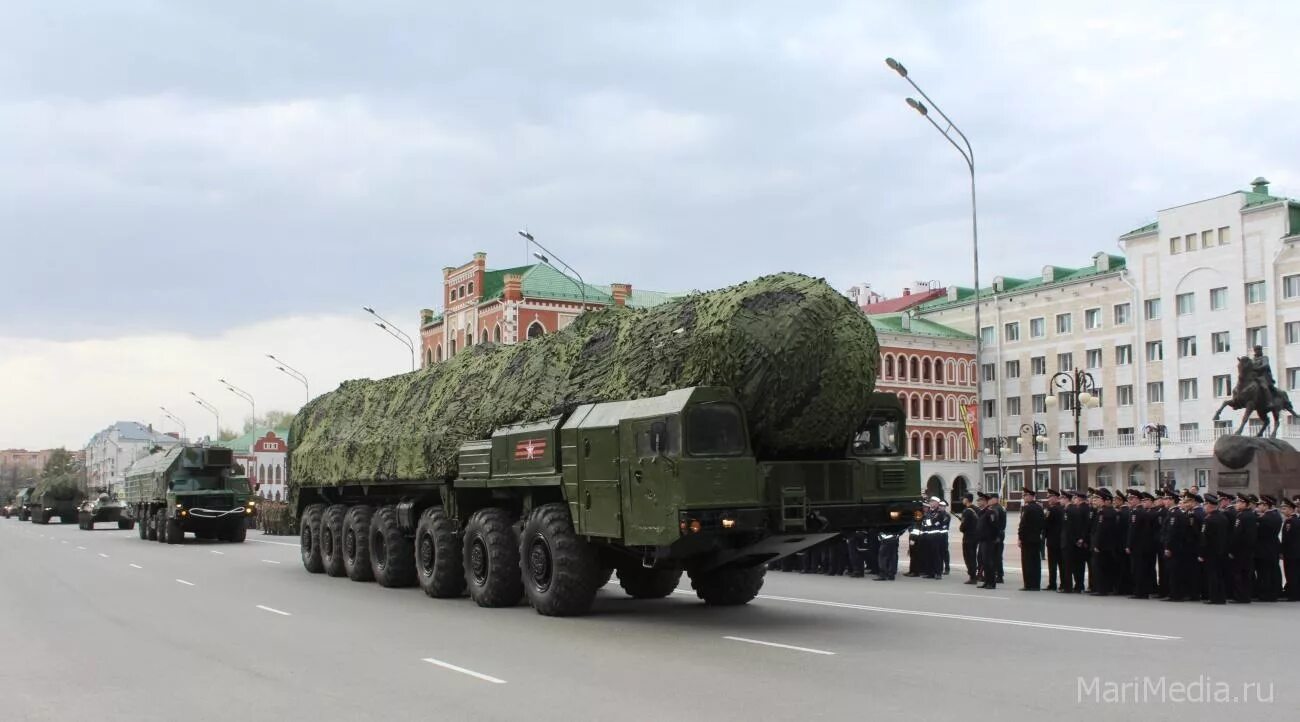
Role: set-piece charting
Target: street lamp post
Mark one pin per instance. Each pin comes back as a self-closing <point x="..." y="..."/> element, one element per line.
<point x="212" y="409"/>
<point x="968" y="155"/>
<point x="581" y="284"/>
<point x="174" y="417"/>
<point x="1037" y="434"/>
<point x="252" y="406"/>
<point x="393" y="331"/>
<point x="999" y="446"/>
<point x="1158" y="431"/>
<point x="292" y="373"/>
<point x="1079" y="384"/>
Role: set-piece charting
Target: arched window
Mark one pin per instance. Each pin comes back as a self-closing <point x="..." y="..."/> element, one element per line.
<point x="277" y="473"/>
<point x="471" y="288"/>
<point x="1104" y="477"/>
<point x="961" y="373"/>
<point x="927" y="450"/>
<point x="469" y="337"/>
<point x="437" y="354"/>
<point x="462" y="292"/>
<point x="261" y="473"/>
<point x="1137" y="476"/>
<point x="938" y="371"/>
<point x="952" y="444"/>
<point x="916" y="407"/>
<point x="535" y="329"/>
<point x="914" y="369"/>
<point x="484" y="336"/>
<point x="451" y="350"/>
<point x="939" y="447"/>
<point x="496" y="333"/>
<point x="889" y="366"/>
<point x="428" y="356"/>
<point x="915" y="450"/>
<point x="952" y="408"/>
<point x="925" y="370"/>
<point x="927" y="407"/>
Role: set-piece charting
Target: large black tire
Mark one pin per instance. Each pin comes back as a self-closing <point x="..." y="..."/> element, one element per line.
<point x="729" y="586"/>
<point x="84" y="522"/>
<point x="438" y="565"/>
<point x="331" y="540"/>
<point x="237" y="532"/>
<point x="143" y="529"/>
<point x="174" y="533"/>
<point x="67" y="518"/>
<point x="125" y="524"/>
<point x="23" y="515"/>
<point x="356" y="543"/>
<point x="309" y="538"/>
<point x="151" y="523"/>
<point x="392" y="555"/>
<point x="40" y="517"/>
<point x="160" y="523"/>
<point x="606" y="574"/>
<point x="643" y="583"/>
<point x="560" y="569"/>
<point x="491" y="559"/>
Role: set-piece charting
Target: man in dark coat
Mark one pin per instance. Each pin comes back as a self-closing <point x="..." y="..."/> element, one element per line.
<point x="1213" y="549"/>
<point x="1074" y="543"/>
<point x="969" y="529"/>
<point x="1030" y="536"/>
<point x="1000" y="514"/>
<point x="1241" y="550"/>
<point x="1053" y="515"/>
<point x="1291" y="549"/>
<point x="1123" y="570"/>
<point x="1140" y="545"/>
<point x="1164" y="500"/>
<point x="1268" y="550"/>
<point x="1105" y="544"/>
<point x="988" y="536"/>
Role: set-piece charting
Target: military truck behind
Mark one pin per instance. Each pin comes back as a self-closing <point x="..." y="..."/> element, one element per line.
<point x="18" y="507"/>
<point x="45" y="505"/>
<point x="188" y="488"/>
<point x="103" y="507"/>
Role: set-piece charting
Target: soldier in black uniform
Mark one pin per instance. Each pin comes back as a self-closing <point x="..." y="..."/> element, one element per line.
<point x="1181" y="550"/>
<point x="1125" y="503"/>
<point x="1164" y="499"/>
<point x="933" y="539"/>
<point x="1268" y="550"/>
<point x="1053" y="514"/>
<point x="1241" y="550"/>
<point x="988" y="539"/>
<point x="1213" y="549"/>
<point x="1104" y="544"/>
<point x="1030" y="537"/>
<point x="1000" y="521"/>
<point x="969" y="529"/>
<point x="1074" y="544"/>
<point x="887" y="562"/>
<point x="1291" y="549"/>
<point x="1139" y="546"/>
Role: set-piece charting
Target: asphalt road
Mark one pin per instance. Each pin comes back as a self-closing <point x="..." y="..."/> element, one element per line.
<point x="103" y="626"/>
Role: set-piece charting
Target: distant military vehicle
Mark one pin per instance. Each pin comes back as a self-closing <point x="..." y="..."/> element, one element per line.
<point x="44" y="504"/>
<point x="19" y="507"/>
<point x="104" y="507"/>
<point x="189" y="488"/>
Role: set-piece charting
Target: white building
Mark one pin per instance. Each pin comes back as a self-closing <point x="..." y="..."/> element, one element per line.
<point x="111" y="450"/>
<point x="1158" y="329"/>
<point x="263" y="454"/>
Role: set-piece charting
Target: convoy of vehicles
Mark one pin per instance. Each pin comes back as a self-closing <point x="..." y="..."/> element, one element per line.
<point x="104" y="507"/>
<point x="188" y="488"/>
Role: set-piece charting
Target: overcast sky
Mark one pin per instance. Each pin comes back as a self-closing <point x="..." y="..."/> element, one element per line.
<point x="198" y="183"/>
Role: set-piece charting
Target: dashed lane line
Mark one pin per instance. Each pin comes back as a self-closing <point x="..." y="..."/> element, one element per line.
<point x="182" y="581"/>
<point x="214" y="551"/>
<point x="780" y="646"/>
<point x="136" y="566"/>
<point x="265" y="541"/>
<point x="462" y="670"/>
<point x="270" y="561"/>
<point x="81" y="549"/>
<point x="102" y="554"/>
<point x="273" y="610"/>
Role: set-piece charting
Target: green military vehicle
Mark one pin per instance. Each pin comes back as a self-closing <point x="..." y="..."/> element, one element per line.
<point x="651" y="488"/>
<point x="18" y="508"/>
<point x="104" y="507"/>
<point x="63" y="502"/>
<point x="188" y="488"/>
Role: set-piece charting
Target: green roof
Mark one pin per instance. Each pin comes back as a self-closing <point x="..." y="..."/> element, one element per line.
<point x="494" y="282"/>
<point x="541" y="280"/>
<point x="242" y="443"/>
<point x="1061" y="275"/>
<point x="1148" y="228"/>
<point x="893" y="323"/>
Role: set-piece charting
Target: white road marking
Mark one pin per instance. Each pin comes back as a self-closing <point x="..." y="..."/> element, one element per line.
<point x="270" y="561"/>
<point x="972" y="596"/>
<point x="63" y="541"/>
<point x="283" y="544"/>
<point x="462" y="670"/>
<point x="273" y="611"/>
<point x="136" y="566"/>
<point x="781" y="646"/>
<point x="969" y="618"/>
<point x="188" y="584"/>
<point x="102" y="554"/>
<point x="214" y="551"/>
<point x="81" y="549"/>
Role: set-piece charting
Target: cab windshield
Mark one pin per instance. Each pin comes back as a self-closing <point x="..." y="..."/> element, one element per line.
<point x="878" y="437"/>
<point x="199" y="483"/>
<point x="715" y="429"/>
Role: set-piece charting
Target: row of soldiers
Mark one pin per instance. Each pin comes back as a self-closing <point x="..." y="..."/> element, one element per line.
<point x="1171" y="546"/>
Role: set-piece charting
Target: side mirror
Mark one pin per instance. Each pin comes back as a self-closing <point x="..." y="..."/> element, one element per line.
<point x="658" y="437"/>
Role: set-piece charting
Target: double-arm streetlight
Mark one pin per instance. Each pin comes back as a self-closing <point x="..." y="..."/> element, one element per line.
<point x="546" y="258"/>
<point x="293" y="373"/>
<point x="211" y="409"/>
<point x="1158" y="431"/>
<point x="177" y="419"/>
<point x="393" y="331"/>
<point x="252" y="406"/>
<point x="967" y="154"/>
<point x="1037" y="434"/>
<point x="1078" y="385"/>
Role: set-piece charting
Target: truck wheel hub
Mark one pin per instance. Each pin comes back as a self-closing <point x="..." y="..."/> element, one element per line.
<point x="426" y="555"/>
<point x="539" y="564"/>
<point x="478" y="561"/>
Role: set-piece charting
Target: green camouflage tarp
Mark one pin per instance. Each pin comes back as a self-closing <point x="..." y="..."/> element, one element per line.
<point x="800" y="357"/>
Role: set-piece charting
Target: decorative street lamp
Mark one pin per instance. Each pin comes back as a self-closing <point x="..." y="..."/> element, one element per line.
<point x="1158" y="431"/>
<point x="968" y="155"/>
<point x="1079" y="384"/>
<point x="1037" y="434"/>
<point x="999" y="446"/>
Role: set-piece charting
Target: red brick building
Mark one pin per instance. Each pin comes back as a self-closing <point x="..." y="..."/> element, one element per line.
<point x="509" y="305"/>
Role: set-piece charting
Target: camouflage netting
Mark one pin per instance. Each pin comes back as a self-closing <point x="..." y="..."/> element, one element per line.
<point x="63" y="487"/>
<point x="800" y="357"/>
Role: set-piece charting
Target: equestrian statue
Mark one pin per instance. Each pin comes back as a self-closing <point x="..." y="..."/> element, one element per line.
<point x="1257" y="393"/>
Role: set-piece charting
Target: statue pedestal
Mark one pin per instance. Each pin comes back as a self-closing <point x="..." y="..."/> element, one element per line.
<point x="1250" y="465"/>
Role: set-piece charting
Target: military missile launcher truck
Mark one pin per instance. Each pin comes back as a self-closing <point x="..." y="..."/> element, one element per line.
<point x="188" y="488"/>
<point x="42" y="505"/>
<point x="651" y="487"/>
<point x="103" y="507"/>
<point x="19" y="506"/>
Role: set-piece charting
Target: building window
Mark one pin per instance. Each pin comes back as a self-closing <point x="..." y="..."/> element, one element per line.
<point x="1064" y="322"/>
<point x="1291" y="286"/>
<point x="938" y="371"/>
<point x="1038" y="365"/>
<point x="889" y="367"/>
<point x="989" y="372"/>
<point x="1064" y="362"/>
<point x="1186" y="346"/>
<point x="1222" y="387"/>
<point x="437" y="354"/>
<point x="1187" y="390"/>
<point x="496" y="333"/>
<point x="986" y="335"/>
<point x="1069" y="479"/>
<point x="1255" y="292"/>
<point x="471" y="288"/>
<point x="1037" y="327"/>
<point x="451" y="347"/>
<point x="1292" y="330"/>
<point x="1155" y="392"/>
<point x="1256" y="336"/>
<point x="916" y="407"/>
<point x="535" y="329"/>
<point x="1189" y="242"/>
<point x="1013" y="406"/>
<point x="1013" y="369"/>
<point x="927" y="408"/>
<point x="1218" y="298"/>
<point x="1124" y="395"/>
<point x="1094" y="358"/>
<point x="1175" y="246"/>
<point x="469" y="337"/>
<point x="428" y="356"/>
<point x="1293" y="378"/>
<point x="1097" y="393"/>
<point x="1039" y="402"/>
<point x="1207" y="239"/>
<point x="1092" y="319"/>
<point x="1123" y="355"/>
<point x="990" y="408"/>
<point x="925" y="370"/>
<point x="1187" y="432"/>
<point x="1011" y="331"/>
<point x="1065" y="400"/>
<point x="1225" y="236"/>
<point x="1123" y="313"/>
<point x="1015" y="481"/>
<point x="1155" y="350"/>
<point x="1151" y="308"/>
<point x="1219" y="342"/>
<point x="1186" y="303"/>
<point x="914" y="369"/>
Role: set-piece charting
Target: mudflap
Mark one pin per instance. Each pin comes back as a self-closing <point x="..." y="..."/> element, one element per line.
<point x="766" y="550"/>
